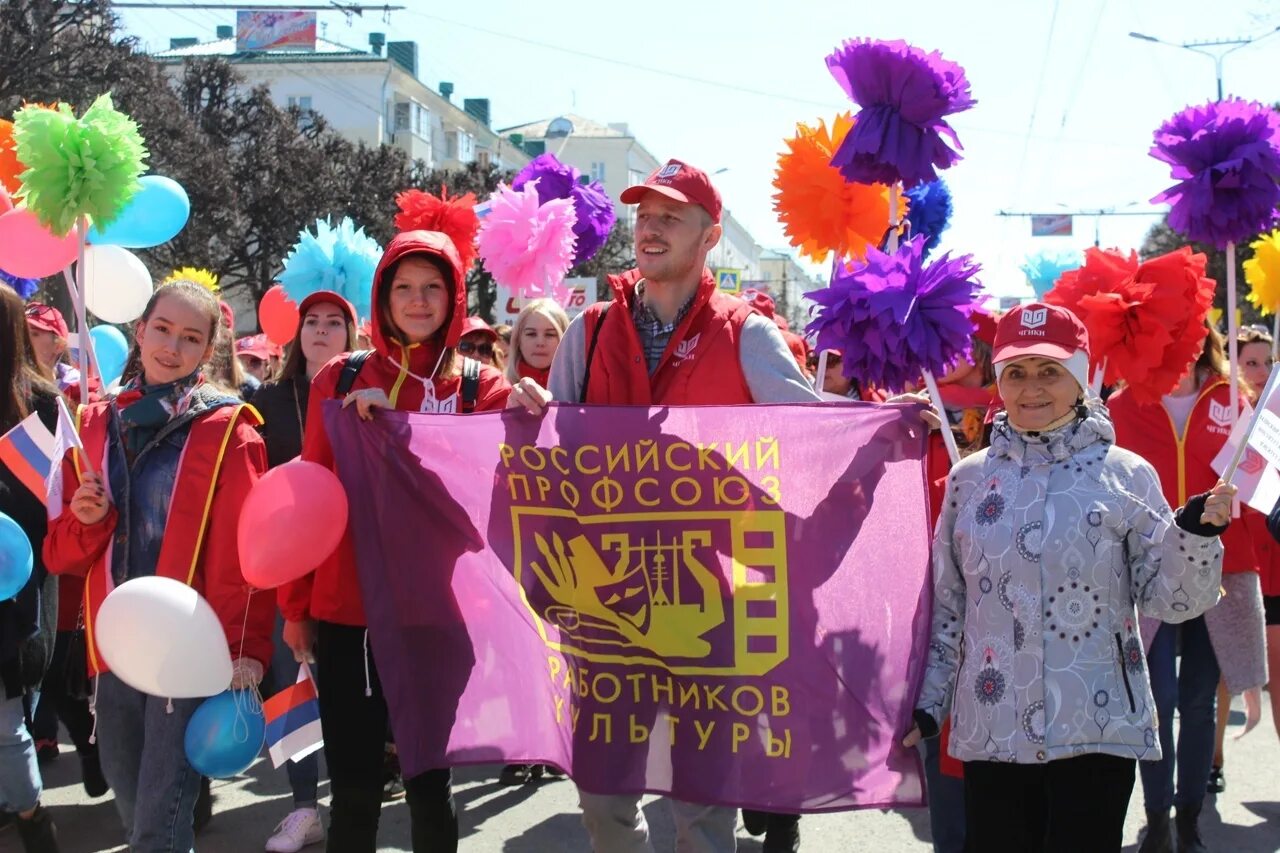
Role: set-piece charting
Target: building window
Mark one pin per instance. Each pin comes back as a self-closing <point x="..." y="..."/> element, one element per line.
<point x="403" y="115"/>
<point x="597" y="171"/>
<point x="483" y="158"/>
<point x="459" y="145"/>
<point x="451" y="145"/>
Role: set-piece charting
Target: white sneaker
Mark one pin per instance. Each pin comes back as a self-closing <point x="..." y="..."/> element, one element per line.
<point x="300" y="828"/>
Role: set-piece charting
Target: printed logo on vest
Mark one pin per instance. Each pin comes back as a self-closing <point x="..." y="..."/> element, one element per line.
<point x="684" y="349"/>
<point x="1220" y="414"/>
<point x="1034" y="319"/>
<point x="447" y="406"/>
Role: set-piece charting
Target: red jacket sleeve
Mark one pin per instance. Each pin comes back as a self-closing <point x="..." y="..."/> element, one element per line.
<point x="72" y="547"/>
<point x="244" y="462"/>
<point x="294" y="598"/>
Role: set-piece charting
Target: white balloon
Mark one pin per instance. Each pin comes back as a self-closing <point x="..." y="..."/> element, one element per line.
<point x="117" y="284"/>
<point x="161" y="637"/>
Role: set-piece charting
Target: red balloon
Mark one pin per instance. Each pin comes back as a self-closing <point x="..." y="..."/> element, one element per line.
<point x="28" y="250"/>
<point x="278" y="315"/>
<point x="292" y="521"/>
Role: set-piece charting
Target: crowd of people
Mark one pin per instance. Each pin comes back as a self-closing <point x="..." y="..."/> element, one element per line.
<point x="1082" y="546"/>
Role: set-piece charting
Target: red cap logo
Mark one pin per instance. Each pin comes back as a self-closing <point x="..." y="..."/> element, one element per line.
<point x="1037" y="329"/>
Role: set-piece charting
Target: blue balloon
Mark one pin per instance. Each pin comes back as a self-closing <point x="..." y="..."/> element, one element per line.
<point x="155" y="215"/>
<point x="225" y="734"/>
<point x="16" y="558"/>
<point x="112" y="351"/>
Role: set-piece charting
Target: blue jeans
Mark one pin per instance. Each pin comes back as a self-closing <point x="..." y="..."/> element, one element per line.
<point x="1193" y="689"/>
<point x="141" y="746"/>
<point x="19" y="774"/>
<point x="304" y="775"/>
<point x="946" y="801"/>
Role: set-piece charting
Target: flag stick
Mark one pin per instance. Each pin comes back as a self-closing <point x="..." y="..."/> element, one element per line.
<point x="820" y="381"/>
<point x="948" y="437"/>
<point x="1233" y="332"/>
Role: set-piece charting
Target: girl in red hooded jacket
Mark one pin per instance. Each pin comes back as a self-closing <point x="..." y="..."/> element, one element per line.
<point x="1180" y="436"/>
<point x="419" y="304"/>
<point x="171" y="459"/>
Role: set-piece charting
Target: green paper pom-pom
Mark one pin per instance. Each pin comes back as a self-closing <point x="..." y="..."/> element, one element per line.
<point x="77" y="167"/>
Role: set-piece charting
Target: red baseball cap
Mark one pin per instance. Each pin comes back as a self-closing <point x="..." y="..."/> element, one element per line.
<point x="1037" y="329"/>
<point x="256" y="346"/>
<point x="477" y="324"/>
<point x="681" y="182"/>
<point x="984" y="326"/>
<point x="46" y="318"/>
<point x="329" y="296"/>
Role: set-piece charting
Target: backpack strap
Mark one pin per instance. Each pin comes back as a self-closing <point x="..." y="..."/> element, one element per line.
<point x="350" y="370"/>
<point x="470" y="384"/>
<point x="591" y="352"/>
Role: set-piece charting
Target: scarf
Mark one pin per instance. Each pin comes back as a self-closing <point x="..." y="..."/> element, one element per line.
<point x="145" y="409"/>
<point x="524" y="369"/>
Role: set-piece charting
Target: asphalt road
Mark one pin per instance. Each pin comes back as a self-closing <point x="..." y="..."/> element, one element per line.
<point x="544" y="817"/>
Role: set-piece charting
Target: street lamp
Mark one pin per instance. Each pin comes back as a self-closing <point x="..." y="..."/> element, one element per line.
<point x="1232" y="45"/>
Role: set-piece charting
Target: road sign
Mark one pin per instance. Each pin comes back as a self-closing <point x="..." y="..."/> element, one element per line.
<point x="729" y="280"/>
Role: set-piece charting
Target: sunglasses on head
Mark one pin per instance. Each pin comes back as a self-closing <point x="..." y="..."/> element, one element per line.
<point x="39" y="310"/>
<point x="484" y="350"/>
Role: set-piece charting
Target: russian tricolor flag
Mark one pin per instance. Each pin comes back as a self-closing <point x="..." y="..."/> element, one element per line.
<point x="293" y="720"/>
<point x="28" y="451"/>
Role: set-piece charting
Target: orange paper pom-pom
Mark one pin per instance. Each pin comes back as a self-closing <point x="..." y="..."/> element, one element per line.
<point x="821" y="211"/>
<point x="454" y="216"/>
<point x="10" y="166"/>
<point x="1145" y="321"/>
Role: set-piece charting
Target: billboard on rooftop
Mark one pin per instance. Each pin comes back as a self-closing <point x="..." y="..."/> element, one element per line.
<point x="278" y="29"/>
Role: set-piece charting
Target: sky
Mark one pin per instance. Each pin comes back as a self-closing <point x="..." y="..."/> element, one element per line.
<point x="1067" y="101"/>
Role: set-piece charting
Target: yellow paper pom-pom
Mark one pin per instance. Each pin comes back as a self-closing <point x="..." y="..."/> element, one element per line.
<point x="202" y="277"/>
<point x="1262" y="271"/>
<point x="821" y="211"/>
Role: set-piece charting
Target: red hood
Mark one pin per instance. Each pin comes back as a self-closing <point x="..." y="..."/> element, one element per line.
<point x="438" y="246"/>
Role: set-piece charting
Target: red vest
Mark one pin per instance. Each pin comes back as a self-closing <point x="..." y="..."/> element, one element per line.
<point x="1183" y="461"/>
<point x="189" y="506"/>
<point x="700" y="366"/>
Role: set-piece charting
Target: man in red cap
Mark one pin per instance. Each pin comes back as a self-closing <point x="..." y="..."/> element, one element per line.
<point x="670" y="337"/>
<point x="254" y="352"/>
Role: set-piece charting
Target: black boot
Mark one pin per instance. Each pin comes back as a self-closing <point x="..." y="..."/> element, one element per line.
<point x="37" y="832"/>
<point x="783" y="835"/>
<point x="1159" y="838"/>
<point x="1188" y="822"/>
<point x="204" y="806"/>
<point x="755" y="822"/>
<point x="95" y="784"/>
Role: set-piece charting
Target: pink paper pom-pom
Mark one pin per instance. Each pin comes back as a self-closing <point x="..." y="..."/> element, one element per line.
<point x="526" y="246"/>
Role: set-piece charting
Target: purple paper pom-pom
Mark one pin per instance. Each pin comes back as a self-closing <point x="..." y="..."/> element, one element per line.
<point x="893" y="317"/>
<point x="26" y="287"/>
<point x="591" y="204"/>
<point x="1226" y="159"/>
<point x="905" y="94"/>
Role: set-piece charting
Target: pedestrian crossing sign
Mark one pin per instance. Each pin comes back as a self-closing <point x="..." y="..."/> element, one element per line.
<point x="729" y="280"/>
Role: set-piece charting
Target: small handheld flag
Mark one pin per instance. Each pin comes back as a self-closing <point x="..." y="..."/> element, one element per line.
<point x="293" y="720"/>
<point x="27" y="451"/>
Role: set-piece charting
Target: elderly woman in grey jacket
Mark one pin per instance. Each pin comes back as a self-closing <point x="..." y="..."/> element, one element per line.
<point x="1048" y="547"/>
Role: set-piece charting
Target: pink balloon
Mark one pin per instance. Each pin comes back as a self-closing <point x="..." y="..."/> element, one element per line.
<point x="28" y="250"/>
<point x="292" y="521"/>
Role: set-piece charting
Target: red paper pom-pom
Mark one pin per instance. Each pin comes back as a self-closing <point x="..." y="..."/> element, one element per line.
<point x="1145" y="321"/>
<point x="455" y="217"/>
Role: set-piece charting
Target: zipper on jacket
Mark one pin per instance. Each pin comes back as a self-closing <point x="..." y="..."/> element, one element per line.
<point x="1180" y="439"/>
<point x="1124" y="674"/>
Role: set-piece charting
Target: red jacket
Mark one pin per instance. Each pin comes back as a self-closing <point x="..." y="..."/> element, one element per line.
<point x="222" y="459"/>
<point x="1184" y="462"/>
<point x="700" y="365"/>
<point x="332" y="592"/>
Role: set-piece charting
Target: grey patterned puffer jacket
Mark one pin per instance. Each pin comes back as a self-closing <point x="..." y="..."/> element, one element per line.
<point x="1045" y="548"/>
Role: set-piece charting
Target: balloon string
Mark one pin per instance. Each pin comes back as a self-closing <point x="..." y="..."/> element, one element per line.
<point x="247" y="700"/>
<point x="93" y="711"/>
